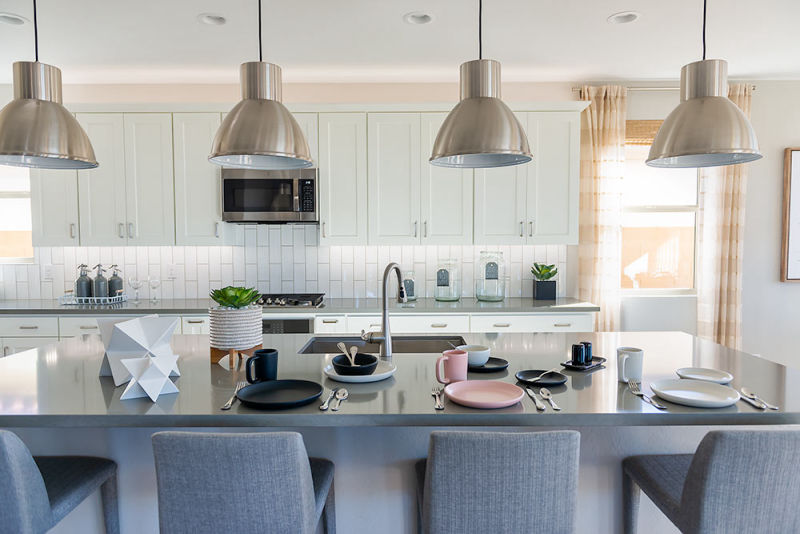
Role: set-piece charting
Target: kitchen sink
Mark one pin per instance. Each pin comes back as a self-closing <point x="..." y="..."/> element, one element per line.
<point x="400" y="344"/>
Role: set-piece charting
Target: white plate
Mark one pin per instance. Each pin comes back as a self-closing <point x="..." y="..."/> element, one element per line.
<point x="703" y="373"/>
<point x="697" y="393"/>
<point x="382" y="372"/>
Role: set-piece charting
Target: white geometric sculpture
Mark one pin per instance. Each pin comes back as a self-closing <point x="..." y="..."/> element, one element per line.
<point x="149" y="376"/>
<point x="142" y="337"/>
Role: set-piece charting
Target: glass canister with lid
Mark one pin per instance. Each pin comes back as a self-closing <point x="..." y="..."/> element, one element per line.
<point x="448" y="283"/>
<point x="490" y="279"/>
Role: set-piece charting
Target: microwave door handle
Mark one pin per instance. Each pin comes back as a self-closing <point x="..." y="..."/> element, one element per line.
<point x="296" y="196"/>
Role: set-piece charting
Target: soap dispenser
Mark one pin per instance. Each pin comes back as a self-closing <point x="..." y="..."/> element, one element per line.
<point x="83" y="285"/>
<point x="115" y="282"/>
<point x="100" y="286"/>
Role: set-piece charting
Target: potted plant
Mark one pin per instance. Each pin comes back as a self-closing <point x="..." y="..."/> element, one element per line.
<point x="235" y="325"/>
<point x="544" y="288"/>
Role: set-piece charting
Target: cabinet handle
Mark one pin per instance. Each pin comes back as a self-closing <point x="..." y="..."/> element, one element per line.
<point x="415" y="228"/>
<point x="130" y="230"/>
<point x="530" y="228"/>
<point x="28" y="327"/>
<point x="216" y="229"/>
<point x="122" y="230"/>
<point x="72" y="230"/>
<point x="330" y="321"/>
<point x="438" y="325"/>
<point x="195" y="321"/>
<point x="323" y="229"/>
<point x="374" y="324"/>
<point x="562" y="325"/>
<point x="87" y="327"/>
<point x="501" y="325"/>
<point x="5" y="351"/>
<point x="425" y="229"/>
<point x="522" y="228"/>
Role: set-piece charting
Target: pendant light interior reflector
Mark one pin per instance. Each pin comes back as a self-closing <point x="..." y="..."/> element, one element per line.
<point x="480" y="131"/>
<point x="36" y="130"/>
<point x="706" y="129"/>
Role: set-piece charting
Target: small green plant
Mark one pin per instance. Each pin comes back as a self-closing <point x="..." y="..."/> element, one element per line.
<point x="235" y="297"/>
<point x="543" y="272"/>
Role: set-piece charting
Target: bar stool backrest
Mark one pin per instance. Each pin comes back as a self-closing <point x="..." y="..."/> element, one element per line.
<point x="24" y="506"/>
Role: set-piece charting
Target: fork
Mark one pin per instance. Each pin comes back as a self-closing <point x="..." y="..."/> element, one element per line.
<point x="637" y="390"/>
<point x="239" y="385"/>
<point x="436" y="392"/>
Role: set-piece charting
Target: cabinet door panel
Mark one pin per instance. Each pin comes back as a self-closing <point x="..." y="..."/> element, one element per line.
<point x="148" y="178"/>
<point x="553" y="182"/>
<point x="308" y="123"/>
<point x="101" y="191"/>
<point x="54" y="207"/>
<point x="198" y="208"/>
<point x="13" y="345"/>
<point x="446" y="197"/>
<point x="343" y="178"/>
<point x="394" y="178"/>
<point x="500" y="205"/>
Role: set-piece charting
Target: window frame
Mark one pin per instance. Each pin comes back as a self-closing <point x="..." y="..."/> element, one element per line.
<point x="11" y="260"/>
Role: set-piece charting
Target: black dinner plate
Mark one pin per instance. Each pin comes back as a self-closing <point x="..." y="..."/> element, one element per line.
<point x="491" y="366"/>
<point x="553" y="378"/>
<point x="279" y="394"/>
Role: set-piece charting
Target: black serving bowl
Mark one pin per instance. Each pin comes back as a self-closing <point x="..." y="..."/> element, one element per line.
<point x="365" y="364"/>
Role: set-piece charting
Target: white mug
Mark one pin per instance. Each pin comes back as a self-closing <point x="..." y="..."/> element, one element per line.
<point x="629" y="364"/>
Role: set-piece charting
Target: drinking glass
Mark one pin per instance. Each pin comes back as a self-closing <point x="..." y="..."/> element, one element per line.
<point x="154" y="283"/>
<point x="136" y="284"/>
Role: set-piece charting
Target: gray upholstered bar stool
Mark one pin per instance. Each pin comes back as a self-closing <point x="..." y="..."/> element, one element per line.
<point x="736" y="481"/>
<point x="242" y="483"/>
<point x="480" y="482"/>
<point x="37" y="492"/>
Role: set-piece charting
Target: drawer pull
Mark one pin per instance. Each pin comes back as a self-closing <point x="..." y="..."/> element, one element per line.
<point x="501" y="325"/>
<point x="375" y="324"/>
<point x="87" y="327"/>
<point x="438" y="325"/>
<point x="562" y="325"/>
<point x="5" y="350"/>
<point x="330" y="321"/>
<point x="29" y="328"/>
<point x="195" y="321"/>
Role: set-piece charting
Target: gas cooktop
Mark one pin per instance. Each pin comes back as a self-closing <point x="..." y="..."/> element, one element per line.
<point x="307" y="300"/>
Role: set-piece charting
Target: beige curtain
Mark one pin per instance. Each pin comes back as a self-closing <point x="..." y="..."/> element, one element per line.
<point x="602" y="166"/>
<point x="720" y="241"/>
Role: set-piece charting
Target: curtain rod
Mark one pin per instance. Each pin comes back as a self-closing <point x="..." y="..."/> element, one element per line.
<point x="577" y="89"/>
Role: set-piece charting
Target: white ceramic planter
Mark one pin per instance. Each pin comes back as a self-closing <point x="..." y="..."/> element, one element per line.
<point x="238" y="329"/>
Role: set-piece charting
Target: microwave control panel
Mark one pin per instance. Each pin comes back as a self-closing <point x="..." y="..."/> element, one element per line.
<point x="307" y="200"/>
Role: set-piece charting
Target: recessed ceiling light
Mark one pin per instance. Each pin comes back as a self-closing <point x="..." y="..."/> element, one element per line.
<point x="623" y="17"/>
<point x="417" y="17"/>
<point x="211" y="19"/>
<point x="12" y="19"/>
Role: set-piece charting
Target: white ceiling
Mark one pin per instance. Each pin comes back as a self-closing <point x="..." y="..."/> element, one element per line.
<point x="161" y="41"/>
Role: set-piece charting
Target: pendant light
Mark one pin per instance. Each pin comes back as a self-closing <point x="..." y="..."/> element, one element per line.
<point x="706" y="129"/>
<point x="36" y="130"/>
<point x="259" y="132"/>
<point x="480" y="131"/>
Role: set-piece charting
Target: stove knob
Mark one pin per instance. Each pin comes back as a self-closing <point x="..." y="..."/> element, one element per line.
<point x="268" y="302"/>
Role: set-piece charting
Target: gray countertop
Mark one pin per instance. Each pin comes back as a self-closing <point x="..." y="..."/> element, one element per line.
<point x="331" y="306"/>
<point x="58" y="386"/>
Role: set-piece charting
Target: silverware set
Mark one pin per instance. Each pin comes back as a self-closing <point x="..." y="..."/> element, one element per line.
<point x="436" y="392"/>
<point x="751" y="398"/>
<point x="337" y="395"/>
<point x="636" y="389"/>
<point x="539" y="404"/>
<point x="229" y="404"/>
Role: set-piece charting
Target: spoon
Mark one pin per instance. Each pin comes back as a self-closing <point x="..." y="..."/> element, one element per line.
<point x="353" y="352"/>
<point x="750" y="395"/>
<point x="324" y="405"/>
<point x="342" y="347"/>
<point x="546" y="395"/>
<point x="553" y="370"/>
<point x="341" y="394"/>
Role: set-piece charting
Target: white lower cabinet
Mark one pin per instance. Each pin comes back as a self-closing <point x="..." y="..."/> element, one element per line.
<point x="78" y="325"/>
<point x="560" y="322"/>
<point x="410" y="324"/>
<point x="197" y="324"/>
<point x="330" y="324"/>
<point x="12" y="345"/>
<point x="28" y="326"/>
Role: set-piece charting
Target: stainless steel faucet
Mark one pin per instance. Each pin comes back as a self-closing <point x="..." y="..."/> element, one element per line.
<point x="385" y="336"/>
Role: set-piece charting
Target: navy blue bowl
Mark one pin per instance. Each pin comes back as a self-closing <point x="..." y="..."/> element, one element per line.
<point x="365" y="364"/>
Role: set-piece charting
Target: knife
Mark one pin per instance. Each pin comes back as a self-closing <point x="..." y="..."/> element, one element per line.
<point x="539" y="404"/>
<point x="748" y="400"/>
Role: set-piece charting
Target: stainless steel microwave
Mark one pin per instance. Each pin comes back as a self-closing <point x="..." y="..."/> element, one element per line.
<point x="262" y="196"/>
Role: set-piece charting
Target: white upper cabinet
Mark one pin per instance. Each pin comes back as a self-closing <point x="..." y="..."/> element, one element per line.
<point x="554" y="178"/>
<point x="446" y="194"/>
<point x="198" y="207"/>
<point x="101" y="191"/>
<point x="393" y="152"/>
<point x="150" y="194"/>
<point x="309" y="124"/>
<point x="54" y="207"/>
<point x="343" y="178"/>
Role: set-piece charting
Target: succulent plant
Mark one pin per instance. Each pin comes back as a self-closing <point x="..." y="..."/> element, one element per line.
<point x="235" y="297"/>
<point x="543" y="272"/>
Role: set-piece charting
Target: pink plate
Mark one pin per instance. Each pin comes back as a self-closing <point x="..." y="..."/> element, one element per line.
<point x="484" y="393"/>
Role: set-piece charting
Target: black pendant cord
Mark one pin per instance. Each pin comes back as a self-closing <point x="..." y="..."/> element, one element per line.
<point x="704" y="29"/>
<point x="35" y="32"/>
<point x="480" y="29"/>
<point x="260" y="53"/>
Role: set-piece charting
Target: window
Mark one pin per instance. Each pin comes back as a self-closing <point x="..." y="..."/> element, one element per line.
<point x="16" y="236"/>
<point x="659" y="218"/>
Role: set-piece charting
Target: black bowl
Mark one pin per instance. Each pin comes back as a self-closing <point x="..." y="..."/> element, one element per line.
<point x="365" y="364"/>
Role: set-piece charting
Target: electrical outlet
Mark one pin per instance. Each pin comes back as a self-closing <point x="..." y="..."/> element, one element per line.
<point x="47" y="272"/>
<point x="172" y="271"/>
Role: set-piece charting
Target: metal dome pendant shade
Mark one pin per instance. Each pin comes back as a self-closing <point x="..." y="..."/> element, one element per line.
<point x="259" y="132"/>
<point x="36" y="130"/>
<point x="480" y="131"/>
<point x="706" y="129"/>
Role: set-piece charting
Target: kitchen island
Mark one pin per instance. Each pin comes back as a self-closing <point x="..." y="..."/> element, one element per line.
<point x="54" y="399"/>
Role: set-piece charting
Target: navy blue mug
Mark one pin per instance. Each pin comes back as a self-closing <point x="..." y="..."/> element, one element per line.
<point x="578" y="354"/>
<point x="262" y="365"/>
